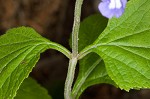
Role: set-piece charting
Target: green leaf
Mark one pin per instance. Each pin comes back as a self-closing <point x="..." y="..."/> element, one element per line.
<point x="30" y="89"/>
<point x="90" y="29"/>
<point x="92" y="69"/>
<point x="20" y="50"/>
<point x="125" y="46"/>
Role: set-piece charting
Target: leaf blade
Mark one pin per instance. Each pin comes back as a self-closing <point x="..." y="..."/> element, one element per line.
<point x="91" y="72"/>
<point x="124" y="46"/>
<point x="30" y="89"/>
<point x="20" y="50"/>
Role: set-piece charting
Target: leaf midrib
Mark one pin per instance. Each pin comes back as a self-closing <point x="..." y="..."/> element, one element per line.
<point x="123" y="37"/>
<point x="26" y="41"/>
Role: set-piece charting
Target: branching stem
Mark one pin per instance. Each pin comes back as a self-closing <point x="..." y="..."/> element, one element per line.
<point x="74" y="57"/>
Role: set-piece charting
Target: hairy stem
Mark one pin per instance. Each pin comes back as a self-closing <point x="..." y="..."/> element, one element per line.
<point x="73" y="60"/>
<point x="83" y="79"/>
<point x="70" y="78"/>
<point x="76" y="26"/>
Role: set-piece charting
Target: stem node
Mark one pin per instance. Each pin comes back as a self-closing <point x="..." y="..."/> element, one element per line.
<point x="74" y="57"/>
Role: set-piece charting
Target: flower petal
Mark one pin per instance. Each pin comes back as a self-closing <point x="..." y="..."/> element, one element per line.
<point x="124" y="3"/>
<point x="105" y="11"/>
<point x="119" y="12"/>
<point x="117" y="9"/>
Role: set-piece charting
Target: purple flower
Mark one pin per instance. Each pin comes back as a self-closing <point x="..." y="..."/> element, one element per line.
<point x="110" y="8"/>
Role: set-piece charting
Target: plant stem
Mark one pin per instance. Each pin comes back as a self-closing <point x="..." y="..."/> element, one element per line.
<point x="70" y="78"/>
<point x="73" y="59"/>
<point x="76" y="27"/>
<point x="85" y="76"/>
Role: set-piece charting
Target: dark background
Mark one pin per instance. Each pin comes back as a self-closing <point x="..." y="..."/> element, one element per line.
<point x="53" y="19"/>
